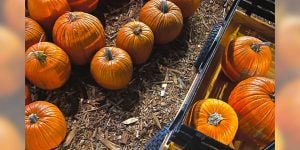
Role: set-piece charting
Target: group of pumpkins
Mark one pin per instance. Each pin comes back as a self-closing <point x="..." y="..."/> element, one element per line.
<point x="79" y="38"/>
<point x="249" y="114"/>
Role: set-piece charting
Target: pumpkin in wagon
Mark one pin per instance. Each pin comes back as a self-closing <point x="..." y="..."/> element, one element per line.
<point x="80" y="35"/>
<point x="253" y="100"/>
<point x="45" y="126"/>
<point x="34" y="33"/>
<point x="112" y="68"/>
<point x="137" y="39"/>
<point x="246" y="57"/>
<point x="164" y="18"/>
<point x="83" y="5"/>
<point x="187" y="7"/>
<point x="46" y="12"/>
<point x="47" y="66"/>
<point x="215" y="119"/>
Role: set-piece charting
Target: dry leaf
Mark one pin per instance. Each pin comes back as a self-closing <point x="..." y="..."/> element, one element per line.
<point x="130" y="121"/>
<point x="124" y="138"/>
<point x="110" y="145"/>
<point x="70" y="137"/>
<point x="156" y="120"/>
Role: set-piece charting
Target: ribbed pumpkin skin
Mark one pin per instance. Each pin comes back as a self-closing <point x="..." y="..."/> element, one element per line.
<point x="49" y="130"/>
<point x="27" y="95"/>
<point x="112" y="74"/>
<point x="251" y="99"/>
<point x="165" y="26"/>
<point x="83" y="5"/>
<point x="46" y="12"/>
<point x="51" y="74"/>
<point x="240" y="61"/>
<point x="33" y="33"/>
<point x="223" y="132"/>
<point x="80" y="35"/>
<point x="187" y="7"/>
<point x="138" y="43"/>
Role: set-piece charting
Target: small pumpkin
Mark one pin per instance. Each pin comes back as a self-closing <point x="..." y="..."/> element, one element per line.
<point x="137" y="39"/>
<point x="246" y="57"/>
<point x="46" y="12"/>
<point x="45" y="126"/>
<point x="253" y="100"/>
<point x="10" y="138"/>
<point x="34" y="33"/>
<point x="27" y="95"/>
<point x="164" y="18"/>
<point x="80" y="35"/>
<point x="215" y="119"/>
<point x="83" y="5"/>
<point x="47" y="66"/>
<point x="187" y="7"/>
<point x="112" y="68"/>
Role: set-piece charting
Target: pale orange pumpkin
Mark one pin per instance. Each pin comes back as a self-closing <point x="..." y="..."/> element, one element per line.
<point x="215" y="119"/>
<point x="137" y="39"/>
<point x="80" y="35"/>
<point x="47" y="66"/>
<point x="45" y="126"/>
<point x="112" y="68"/>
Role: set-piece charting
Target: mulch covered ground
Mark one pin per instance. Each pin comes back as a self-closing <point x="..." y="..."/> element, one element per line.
<point x="95" y="115"/>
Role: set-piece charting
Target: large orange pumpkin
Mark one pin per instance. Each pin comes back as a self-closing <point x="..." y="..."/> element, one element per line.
<point x="45" y="126"/>
<point x="10" y="138"/>
<point x="34" y="33"/>
<point x="47" y="66"/>
<point x="188" y="7"/>
<point x="27" y="95"/>
<point x="214" y="118"/>
<point x="83" y="5"/>
<point x="80" y="35"/>
<point x="112" y="68"/>
<point x="164" y="18"/>
<point x="253" y="100"/>
<point x="46" y="12"/>
<point x="137" y="39"/>
<point x="246" y="57"/>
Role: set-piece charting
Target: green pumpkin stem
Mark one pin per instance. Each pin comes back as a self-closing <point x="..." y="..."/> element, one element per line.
<point x="137" y="30"/>
<point x="164" y="6"/>
<point x="72" y="17"/>
<point x="256" y="46"/>
<point x="108" y="54"/>
<point x="40" y="56"/>
<point x="33" y="118"/>
<point x="215" y="119"/>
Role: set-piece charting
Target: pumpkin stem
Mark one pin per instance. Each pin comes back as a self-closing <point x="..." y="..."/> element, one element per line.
<point x="40" y="56"/>
<point x="72" y="17"/>
<point x="137" y="30"/>
<point x="272" y="96"/>
<point x="215" y="119"/>
<point x="108" y="54"/>
<point x="256" y="46"/>
<point x="33" y="118"/>
<point x="164" y="6"/>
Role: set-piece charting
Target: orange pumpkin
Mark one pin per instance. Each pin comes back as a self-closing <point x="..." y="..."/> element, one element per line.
<point x="137" y="39"/>
<point x="187" y="7"/>
<point x="27" y="95"/>
<point x="80" y="35"/>
<point x="246" y="57"/>
<point x="45" y="126"/>
<point x="253" y="100"/>
<point x="10" y="138"/>
<point x="164" y="18"/>
<point x="214" y="118"/>
<point x="47" y="66"/>
<point x="46" y="12"/>
<point x="112" y="68"/>
<point x="33" y="33"/>
<point x="83" y="5"/>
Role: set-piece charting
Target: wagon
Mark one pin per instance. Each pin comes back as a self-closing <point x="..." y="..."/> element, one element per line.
<point x="211" y="82"/>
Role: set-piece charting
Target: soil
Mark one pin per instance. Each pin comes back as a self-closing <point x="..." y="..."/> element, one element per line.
<point x="95" y="115"/>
